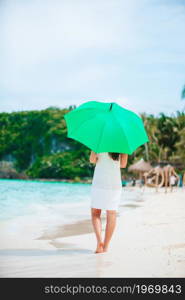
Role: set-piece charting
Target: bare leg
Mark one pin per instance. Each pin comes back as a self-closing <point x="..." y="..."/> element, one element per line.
<point x="110" y="226"/>
<point x="96" y="221"/>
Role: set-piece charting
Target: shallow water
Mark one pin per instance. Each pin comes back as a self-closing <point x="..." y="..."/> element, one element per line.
<point x="51" y="202"/>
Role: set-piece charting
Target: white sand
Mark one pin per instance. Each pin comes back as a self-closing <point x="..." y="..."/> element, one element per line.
<point x="149" y="242"/>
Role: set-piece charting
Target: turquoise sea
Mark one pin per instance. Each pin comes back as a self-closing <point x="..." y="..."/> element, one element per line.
<point x="50" y="202"/>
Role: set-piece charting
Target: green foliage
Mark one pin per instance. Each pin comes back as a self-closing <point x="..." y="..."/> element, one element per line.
<point x="60" y="165"/>
<point x="168" y="133"/>
<point x="36" y="142"/>
<point x="77" y="179"/>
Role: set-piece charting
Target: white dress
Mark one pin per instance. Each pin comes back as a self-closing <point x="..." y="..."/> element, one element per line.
<point x="106" y="185"/>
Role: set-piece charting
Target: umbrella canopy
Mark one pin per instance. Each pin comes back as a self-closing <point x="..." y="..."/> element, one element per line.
<point x="106" y="127"/>
<point x="140" y="166"/>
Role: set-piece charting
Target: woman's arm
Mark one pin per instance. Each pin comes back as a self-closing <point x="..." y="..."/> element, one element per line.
<point x="123" y="160"/>
<point x="93" y="157"/>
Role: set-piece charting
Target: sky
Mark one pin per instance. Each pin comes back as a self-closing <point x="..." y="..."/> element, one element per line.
<point x="66" y="52"/>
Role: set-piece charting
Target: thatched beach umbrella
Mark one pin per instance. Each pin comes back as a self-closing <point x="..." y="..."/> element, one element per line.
<point x="140" y="166"/>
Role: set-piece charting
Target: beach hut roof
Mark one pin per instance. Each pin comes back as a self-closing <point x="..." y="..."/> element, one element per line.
<point x="140" y="165"/>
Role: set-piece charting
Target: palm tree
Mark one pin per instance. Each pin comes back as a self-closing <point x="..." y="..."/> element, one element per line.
<point x="152" y="149"/>
<point x="183" y="93"/>
<point x="180" y="145"/>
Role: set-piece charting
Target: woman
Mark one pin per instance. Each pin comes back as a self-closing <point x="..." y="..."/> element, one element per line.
<point x="105" y="193"/>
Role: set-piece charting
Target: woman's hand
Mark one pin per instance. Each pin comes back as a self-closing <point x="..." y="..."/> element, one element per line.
<point x="93" y="157"/>
<point x="123" y="160"/>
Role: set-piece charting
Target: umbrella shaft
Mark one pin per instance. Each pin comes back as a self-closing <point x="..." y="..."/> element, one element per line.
<point x="111" y="106"/>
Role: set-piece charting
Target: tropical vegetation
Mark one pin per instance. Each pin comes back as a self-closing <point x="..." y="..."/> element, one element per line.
<point x="35" y="143"/>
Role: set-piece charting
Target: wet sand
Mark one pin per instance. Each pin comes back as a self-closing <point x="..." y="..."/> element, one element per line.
<point x="77" y="228"/>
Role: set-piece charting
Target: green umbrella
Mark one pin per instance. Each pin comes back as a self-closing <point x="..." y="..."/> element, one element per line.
<point x="106" y="127"/>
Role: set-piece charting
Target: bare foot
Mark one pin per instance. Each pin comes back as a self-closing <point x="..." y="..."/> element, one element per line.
<point x="105" y="249"/>
<point x="99" y="248"/>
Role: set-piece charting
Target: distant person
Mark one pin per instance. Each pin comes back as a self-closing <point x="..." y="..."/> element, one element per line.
<point x="172" y="180"/>
<point x="124" y="183"/>
<point x="142" y="182"/>
<point x="180" y="180"/>
<point x="133" y="181"/>
<point x="106" y="192"/>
